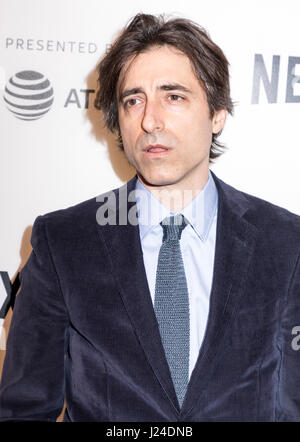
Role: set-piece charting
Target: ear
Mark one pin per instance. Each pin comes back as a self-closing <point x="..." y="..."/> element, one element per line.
<point x="218" y="120"/>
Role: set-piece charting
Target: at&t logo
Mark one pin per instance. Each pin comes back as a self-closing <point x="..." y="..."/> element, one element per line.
<point x="28" y="95"/>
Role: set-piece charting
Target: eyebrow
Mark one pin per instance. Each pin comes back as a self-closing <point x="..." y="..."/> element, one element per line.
<point x="163" y="87"/>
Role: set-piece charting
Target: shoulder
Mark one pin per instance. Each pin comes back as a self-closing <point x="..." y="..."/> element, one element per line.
<point x="263" y="210"/>
<point x="85" y="211"/>
<point x="73" y="220"/>
<point x="266" y="215"/>
<point x="274" y="222"/>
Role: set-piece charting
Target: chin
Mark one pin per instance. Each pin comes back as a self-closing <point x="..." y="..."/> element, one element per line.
<point x="158" y="179"/>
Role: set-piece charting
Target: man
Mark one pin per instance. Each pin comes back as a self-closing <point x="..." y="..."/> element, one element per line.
<point x="175" y="297"/>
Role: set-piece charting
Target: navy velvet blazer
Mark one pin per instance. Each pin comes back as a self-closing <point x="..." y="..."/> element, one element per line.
<point x="84" y="327"/>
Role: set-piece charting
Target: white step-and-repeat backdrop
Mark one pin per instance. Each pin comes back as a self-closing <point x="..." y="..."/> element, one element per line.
<point x="65" y="156"/>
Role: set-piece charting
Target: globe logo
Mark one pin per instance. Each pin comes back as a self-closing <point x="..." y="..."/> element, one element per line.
<point x="28" y="95"/>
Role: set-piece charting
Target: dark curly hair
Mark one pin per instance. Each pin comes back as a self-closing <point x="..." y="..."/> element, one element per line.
<point x="144" y="31"/>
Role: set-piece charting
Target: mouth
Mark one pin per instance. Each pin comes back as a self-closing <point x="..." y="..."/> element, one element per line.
<point x="156" y="150"/>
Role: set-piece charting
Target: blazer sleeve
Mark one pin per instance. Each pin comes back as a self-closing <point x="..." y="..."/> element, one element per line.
<point x="32" y="384"/>
<point x="288" y="397"/>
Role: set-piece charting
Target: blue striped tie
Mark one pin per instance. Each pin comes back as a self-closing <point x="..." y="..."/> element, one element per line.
<point x="171" y="304"/>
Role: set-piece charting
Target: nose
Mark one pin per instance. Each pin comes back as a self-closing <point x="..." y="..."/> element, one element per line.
<point x="152" y="118"/>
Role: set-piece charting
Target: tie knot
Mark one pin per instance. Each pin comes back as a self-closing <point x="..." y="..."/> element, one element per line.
<point x="173" y="227"/>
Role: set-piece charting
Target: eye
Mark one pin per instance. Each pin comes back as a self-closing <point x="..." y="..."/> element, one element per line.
<point x="131" y="102"/>
<point x="175" y="97"/>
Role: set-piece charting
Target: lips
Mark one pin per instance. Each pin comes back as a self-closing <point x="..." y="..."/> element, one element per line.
<point x="156" y="148"/>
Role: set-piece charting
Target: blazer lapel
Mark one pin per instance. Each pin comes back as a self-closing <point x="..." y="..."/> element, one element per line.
<point x="125" y="252"/>
<point x="234" y="248"/>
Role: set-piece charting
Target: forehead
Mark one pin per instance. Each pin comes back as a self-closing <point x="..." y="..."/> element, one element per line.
<point x="158" y="63"/>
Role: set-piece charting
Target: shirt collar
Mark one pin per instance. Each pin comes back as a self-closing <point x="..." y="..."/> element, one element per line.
<point x="199" y="212"/>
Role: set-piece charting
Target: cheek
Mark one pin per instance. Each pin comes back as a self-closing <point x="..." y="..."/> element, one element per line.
<point x="200" y="128"/>
<point x="126" y="135"/>
<point x="195" y="136"/>
<point x="128" y="128"/>
<point x="129" y="138"/>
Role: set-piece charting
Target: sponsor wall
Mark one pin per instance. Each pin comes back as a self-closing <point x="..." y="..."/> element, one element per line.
<point x="54" y="149"/>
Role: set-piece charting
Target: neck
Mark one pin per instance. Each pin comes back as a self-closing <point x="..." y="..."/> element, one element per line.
<point x="176" y="196"/>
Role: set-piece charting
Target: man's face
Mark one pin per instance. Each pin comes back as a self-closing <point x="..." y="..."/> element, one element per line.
<point x="164" y="119"/>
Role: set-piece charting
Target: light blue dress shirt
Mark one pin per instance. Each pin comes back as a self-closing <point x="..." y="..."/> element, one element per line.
<point x="197" y="247"/>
